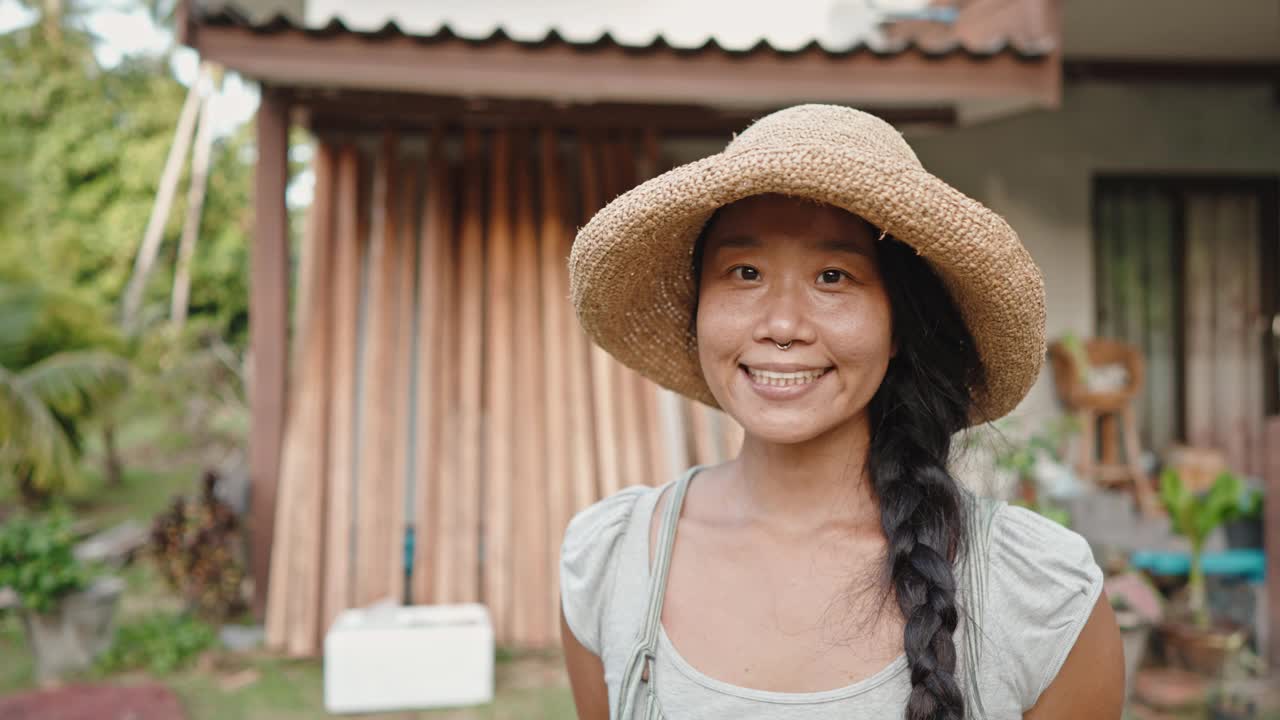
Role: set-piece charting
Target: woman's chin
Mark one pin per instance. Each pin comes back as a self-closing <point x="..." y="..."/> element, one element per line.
<point x="783" y="428"/>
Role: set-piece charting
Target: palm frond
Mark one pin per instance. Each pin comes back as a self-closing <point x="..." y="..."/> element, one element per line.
<point x="30" y="434"/>
<point x="70" y="382"/>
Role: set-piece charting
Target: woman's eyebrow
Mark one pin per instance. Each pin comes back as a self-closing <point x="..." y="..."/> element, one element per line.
<point x="840" y="245"/>
<point x="738" y="242"/>
<point x="844" y="246"/>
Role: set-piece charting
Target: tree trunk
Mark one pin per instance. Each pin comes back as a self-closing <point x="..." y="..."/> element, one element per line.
<point x="160" y="210"/>
<point x="113" y="468"/>
<point x="52" y="22"/>
<point x="195" y="206"/>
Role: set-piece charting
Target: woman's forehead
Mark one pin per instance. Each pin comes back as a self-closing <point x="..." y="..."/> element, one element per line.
<point x="762" y="220"/>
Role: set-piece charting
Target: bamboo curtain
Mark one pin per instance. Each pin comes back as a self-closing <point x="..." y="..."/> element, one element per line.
<point x="441" y="381"/>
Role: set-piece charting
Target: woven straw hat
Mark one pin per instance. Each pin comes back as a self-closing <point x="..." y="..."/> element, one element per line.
<point x="631" y="265"/>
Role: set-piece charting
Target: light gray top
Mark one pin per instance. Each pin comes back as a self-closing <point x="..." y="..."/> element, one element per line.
<point x="1028" y="591"/>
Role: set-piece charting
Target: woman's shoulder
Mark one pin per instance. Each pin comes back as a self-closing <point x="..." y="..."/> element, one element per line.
<point x="1029" y="547"/>
<point x="1042" y="585"/>
<point x="606" y="518"/>
<point x="590" y="558"/>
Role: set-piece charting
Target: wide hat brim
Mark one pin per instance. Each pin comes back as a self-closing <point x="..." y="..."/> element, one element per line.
<point x="631" y="277"/>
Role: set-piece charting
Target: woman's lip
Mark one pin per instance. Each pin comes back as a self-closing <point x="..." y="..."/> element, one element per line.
<point x="781" y="392"/>
<point x="785" y="367"/>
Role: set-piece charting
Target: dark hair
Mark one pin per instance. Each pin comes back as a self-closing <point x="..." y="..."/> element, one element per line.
<point x="925" y="398"/>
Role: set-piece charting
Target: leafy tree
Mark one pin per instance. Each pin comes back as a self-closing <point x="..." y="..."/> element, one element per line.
<point x="80" y="159"/>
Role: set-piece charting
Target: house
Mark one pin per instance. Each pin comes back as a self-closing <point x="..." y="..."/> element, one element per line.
<point x="441" y="417"/>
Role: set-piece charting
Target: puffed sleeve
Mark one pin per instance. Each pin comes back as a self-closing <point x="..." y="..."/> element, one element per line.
<point x="587" y="563"/>
<point x="1044" y="583"/>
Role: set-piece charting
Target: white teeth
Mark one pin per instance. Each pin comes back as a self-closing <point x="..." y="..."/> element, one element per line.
<point x="781" y="379"/>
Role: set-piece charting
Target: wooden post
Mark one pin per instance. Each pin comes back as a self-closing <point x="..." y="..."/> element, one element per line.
<point x="1272" y="541"/>
<point x="268" y="330"/>
<point x="349" y="250"/>
<point x="499" y="390"/>
<point x="436" y="387"/>
<point x="378" y="534"/>
<point x="464" y="537"/>
<point x="529" y="480"/>
<point x="402" y="443"/>
<point x="294" y="604"/>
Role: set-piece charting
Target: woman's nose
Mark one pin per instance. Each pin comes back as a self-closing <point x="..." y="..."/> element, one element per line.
<point x="784" y="316"/>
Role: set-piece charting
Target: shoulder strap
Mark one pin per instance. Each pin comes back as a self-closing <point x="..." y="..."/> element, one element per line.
<point x="646" y="649"/>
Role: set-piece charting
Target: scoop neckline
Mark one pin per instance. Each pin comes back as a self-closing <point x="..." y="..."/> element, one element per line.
<point x="896" y="666"/>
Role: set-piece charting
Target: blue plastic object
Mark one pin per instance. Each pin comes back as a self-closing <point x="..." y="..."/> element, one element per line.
<point x="1248" y="563"/>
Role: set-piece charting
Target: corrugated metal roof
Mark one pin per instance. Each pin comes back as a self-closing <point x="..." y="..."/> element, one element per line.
<point x="845" y="27"/>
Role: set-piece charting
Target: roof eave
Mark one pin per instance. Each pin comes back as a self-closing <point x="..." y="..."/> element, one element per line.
<point x="562" y="72"/>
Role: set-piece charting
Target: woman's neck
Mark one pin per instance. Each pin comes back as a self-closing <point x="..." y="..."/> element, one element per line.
<point x="803" y="486"/>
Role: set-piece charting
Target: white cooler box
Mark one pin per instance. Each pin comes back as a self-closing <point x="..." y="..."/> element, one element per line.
<point x="408" y="658"/>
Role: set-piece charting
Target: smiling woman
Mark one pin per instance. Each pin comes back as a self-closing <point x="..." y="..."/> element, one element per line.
<point x="775" y="271"/>
<point x="852" y="313"/>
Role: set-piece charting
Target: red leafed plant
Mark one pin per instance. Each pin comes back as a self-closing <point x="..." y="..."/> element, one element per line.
<point x="198" y="548"/>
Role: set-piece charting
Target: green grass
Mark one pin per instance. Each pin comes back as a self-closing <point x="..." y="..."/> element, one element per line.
<point x="141" y="495"/>
<point x="286" y="689"/>
<point x="256" y="686"/>
<point x="293" y="690"/>
<point x="17" y="671"/>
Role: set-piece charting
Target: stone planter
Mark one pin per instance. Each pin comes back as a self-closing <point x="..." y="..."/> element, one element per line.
<point x="1134" y="636"/>
<point x="1200" y="650"/>
<point x="68" y="639"/>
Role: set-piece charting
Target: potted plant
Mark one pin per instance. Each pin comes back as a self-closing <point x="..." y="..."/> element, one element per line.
<point x="1037" y="465"/>
<point x="1195" y="639"/>
<point x="1138" y="607"/>
<point x="66" y="610"/>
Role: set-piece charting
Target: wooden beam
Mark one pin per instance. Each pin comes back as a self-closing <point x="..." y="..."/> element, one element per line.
<point x="463" y="528"/>
<point x="499" y="464"/>
<point x="1182" y="72"/>
<point x="342" y="111"/>
<point x="349" y="252"/>
<point x="1271" y="523"/>
<point x="561" y="377"/>
<point x="268" y="331"/>
<point x="569" y="73"/>
<point x="435" y="460"/>
<point x="407" y="180"/>
<point x="531" y="490"/>
<point x="294" y="610"/>
<point x="376" y="530"/>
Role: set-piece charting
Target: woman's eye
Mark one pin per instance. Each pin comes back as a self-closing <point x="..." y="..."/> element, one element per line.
<point x="746" y="272"/>
<point x="831" y="276"/>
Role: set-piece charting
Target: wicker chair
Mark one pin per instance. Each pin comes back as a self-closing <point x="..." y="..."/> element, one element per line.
<point x="1111" y="409"/>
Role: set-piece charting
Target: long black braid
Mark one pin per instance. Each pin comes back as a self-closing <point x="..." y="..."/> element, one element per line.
<point x="924" y="399"/>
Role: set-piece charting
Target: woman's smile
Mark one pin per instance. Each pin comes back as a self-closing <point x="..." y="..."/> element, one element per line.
<point x="778" y="381"/>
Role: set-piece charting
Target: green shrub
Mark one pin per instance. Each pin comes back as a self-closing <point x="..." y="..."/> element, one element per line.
<point x="159" y="643"/>
<point x="38" y="562"/>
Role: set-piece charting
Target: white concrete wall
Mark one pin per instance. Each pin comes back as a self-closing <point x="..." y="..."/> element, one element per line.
<point x="1037" y="169"/>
